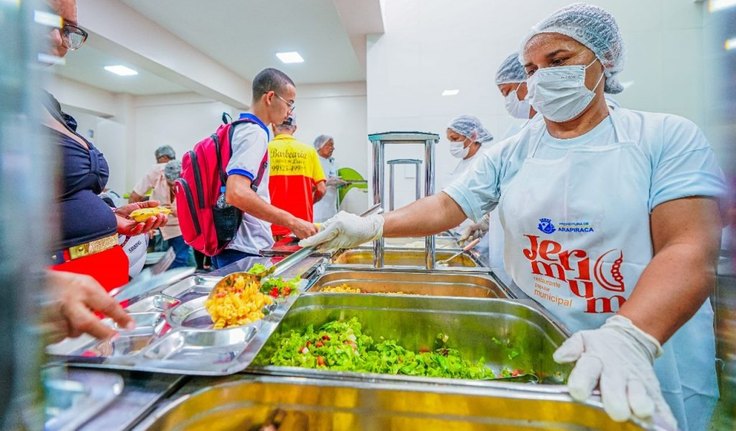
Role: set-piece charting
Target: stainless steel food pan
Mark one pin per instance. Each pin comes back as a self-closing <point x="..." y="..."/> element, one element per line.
<point x="446" y="243"/>
<point x="505" y="334"/>
<point x="414" y="283"/>
<point x="301" y="405"/>
<point x="402" y="257"/>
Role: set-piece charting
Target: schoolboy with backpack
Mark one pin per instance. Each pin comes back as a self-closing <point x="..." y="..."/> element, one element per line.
<point x="230" y="167"/>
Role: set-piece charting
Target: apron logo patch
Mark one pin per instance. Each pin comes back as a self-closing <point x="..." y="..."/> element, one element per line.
<point x="545" y="225"/>
<point x="575" y="270"/>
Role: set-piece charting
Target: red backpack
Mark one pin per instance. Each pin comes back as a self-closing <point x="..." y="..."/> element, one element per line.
<point x="206" y="225"/>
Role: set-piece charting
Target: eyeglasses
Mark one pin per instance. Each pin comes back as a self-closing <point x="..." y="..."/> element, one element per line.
<point x="72" y="36"/>
<point x="291" y="105"/>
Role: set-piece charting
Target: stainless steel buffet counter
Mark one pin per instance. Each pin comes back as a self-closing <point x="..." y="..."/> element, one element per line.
<point x="412" y="306"/>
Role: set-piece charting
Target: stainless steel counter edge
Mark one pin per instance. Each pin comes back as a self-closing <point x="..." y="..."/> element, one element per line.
<point x="200" y="385"/>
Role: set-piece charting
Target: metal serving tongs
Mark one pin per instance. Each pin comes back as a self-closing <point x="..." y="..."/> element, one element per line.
<point x="228" y="281"/>
<point x="471" y="244"/>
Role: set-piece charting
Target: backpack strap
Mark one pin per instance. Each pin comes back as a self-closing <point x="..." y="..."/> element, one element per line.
<point x="247" y="117"/>
<point x="261" y="170"/>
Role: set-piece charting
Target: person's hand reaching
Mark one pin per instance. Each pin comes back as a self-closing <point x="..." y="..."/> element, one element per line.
<point x="475" y="230"/>
<point x="346" y="230"/>
<point x="75" y="299"/>
<point x="618" y="358"/>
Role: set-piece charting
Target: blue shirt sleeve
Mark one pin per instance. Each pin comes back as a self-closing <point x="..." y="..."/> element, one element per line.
<point x="684" y="165"/>
<point x="477" y="191"/>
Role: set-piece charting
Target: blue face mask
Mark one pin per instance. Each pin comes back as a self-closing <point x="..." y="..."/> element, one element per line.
<point x="559" y="93"/>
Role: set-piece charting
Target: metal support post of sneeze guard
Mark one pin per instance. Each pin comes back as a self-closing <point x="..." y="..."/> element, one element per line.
<point x="392" y="179"/>
<point x="379" y="141"/>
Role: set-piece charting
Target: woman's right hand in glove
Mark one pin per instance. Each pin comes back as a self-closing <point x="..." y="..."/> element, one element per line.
<point x="475" y="230"/>
<point x="346" y="230"/>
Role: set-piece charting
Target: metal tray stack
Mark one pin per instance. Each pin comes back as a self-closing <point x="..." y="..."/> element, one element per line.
<point x="174" y="334"/>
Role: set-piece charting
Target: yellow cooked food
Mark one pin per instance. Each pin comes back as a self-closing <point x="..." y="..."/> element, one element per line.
<point x="142" y="214"/>
<point x="242" y="303"/>
<point x="341" y="288"/>
<point x="346" y="288"/>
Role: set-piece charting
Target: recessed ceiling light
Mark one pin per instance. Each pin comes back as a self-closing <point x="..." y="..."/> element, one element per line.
<point x="730" y="44"/>
<point x="290" y="57"/>
<point x="121" y="70"/>
<point x="716" y="5"/>
<point x="450" y="92"/>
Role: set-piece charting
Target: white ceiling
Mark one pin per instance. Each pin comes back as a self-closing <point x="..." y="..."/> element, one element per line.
<point x="242" y="36"/>
<point x="87" y="64"/>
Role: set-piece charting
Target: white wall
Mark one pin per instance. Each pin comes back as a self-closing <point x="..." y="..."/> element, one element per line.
<point x="338" y="110"/>
<point x="432" y="45"/>
<point x="179" y="120"/>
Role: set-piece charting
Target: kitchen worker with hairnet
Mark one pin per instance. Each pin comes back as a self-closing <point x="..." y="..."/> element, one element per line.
<point x="611" y="221"/>
<point x="327" y="206"/>
<point x="468" y="139"/>
<point x="467" y="136"/>
<point x="511" y="82"/>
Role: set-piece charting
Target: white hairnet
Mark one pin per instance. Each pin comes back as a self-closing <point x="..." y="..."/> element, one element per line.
<point x="593" y="27"/>
<point x="511" y="70"/>
<point x="172" y="170"/>
<point x="467" y="125"/>
<point x="320" y="140"/>
<point x="165" y="150"/>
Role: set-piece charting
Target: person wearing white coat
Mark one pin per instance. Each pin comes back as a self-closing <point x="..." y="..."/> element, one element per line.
<point x="611" y="219"/>
<point x="468" y="139"/>
<point x="327" y="206"/>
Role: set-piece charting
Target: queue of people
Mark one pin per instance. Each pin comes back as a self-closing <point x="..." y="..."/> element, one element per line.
<point x="629" y="279"/>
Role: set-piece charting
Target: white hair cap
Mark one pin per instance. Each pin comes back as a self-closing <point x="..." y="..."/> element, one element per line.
<point x="467" y="125"/>
<point x="321" y="140"/>
<point x="593" y="27"/>
<point x="511" y="71"/>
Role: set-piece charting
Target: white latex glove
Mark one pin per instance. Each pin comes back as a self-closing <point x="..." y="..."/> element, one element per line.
<point x="475" y="230"/>
<point x="346" y="230"/>
<point x="618" y="357"/>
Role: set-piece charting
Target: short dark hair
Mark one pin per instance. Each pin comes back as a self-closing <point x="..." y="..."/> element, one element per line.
<point x="269" y="80"/>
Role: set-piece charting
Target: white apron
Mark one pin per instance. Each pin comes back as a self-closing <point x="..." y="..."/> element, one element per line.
<point x="327" y="206"/>
<point x="577" y="239"/>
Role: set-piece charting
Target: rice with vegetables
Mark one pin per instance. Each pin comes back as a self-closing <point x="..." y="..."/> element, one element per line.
<point x="240" y="304"/>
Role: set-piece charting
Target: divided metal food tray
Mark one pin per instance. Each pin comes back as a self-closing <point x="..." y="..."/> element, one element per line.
<point x="174" y="334"/>
<point x="507" y="334"/>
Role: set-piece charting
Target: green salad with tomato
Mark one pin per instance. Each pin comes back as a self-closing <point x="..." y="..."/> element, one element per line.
<point x="341" y="345"/>
<point x="275" y="287"/>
